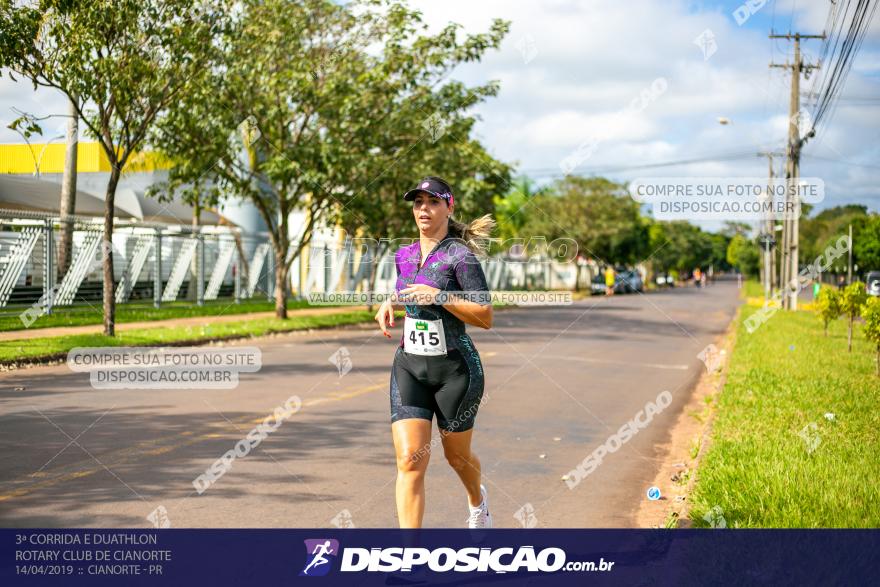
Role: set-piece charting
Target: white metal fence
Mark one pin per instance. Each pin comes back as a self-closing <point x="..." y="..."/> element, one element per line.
<point x="159" y="264"/>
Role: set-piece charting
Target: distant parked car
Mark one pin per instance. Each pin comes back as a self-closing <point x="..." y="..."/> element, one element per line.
<point x="625" y="281"/>
<point x="872" y="283"/>
<point x="665" y="280"/>
<point x="632" y="281"/>
<point x="597" y="286"/>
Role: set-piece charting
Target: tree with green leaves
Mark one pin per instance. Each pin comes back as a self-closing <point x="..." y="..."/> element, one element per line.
<point x="866" y="243"/>
<point x="121" y="63"/>
<point x="381" y="219"/>
<point x="825" y="227"/>
<point x="333" y="101"/>
<point x="512" y="208"/>
<point x="828" y="306"/>
<point x="852" y="299"/>
<point x="597" y="213"/>
<point x="871" y="315"/>
<point x="744" y="255"/>
<point x="417" y="145"/>
<point x="731" y="229"/>
<point x="679" y="246"/>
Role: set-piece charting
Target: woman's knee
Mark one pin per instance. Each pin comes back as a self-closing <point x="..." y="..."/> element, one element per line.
<point x="458" y="460"/>
<point x="412" y="460"/>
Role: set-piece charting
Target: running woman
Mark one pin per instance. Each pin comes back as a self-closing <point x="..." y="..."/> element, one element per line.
<point x="437" y="368"/>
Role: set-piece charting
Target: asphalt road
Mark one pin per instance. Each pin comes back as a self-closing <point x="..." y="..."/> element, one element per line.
<point x="560" y="381"/>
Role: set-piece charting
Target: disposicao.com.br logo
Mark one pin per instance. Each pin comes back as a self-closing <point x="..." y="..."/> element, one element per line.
<point x="321" y="553"/>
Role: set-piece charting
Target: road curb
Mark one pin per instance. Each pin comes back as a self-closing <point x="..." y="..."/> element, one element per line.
<point x="677" y="464"/>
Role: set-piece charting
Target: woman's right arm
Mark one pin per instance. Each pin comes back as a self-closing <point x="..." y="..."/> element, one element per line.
<point x="385" y="315"/>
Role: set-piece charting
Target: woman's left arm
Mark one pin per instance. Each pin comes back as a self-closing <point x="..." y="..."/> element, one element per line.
<point x="465" y="310"/>
<point x="469" y="275"/>
<point x="470" y="312"/>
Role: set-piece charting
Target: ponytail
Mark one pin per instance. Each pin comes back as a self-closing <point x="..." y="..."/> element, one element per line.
<point x="474" y="234"/>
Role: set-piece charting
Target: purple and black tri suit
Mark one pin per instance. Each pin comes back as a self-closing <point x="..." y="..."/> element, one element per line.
<point x="449" y="385"/>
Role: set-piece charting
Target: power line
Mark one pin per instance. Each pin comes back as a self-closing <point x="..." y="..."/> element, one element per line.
<point x="842" y="161"/>
<point x="548" y="172"/>
<point x="840" y="49"/>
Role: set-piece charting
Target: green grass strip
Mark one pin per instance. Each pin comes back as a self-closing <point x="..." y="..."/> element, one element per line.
<point x="83" y="315"/>
<point x="52" y="347"/>
<point x="783" y="379"/>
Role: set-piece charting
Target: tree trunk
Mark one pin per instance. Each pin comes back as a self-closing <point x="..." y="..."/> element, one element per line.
<point x="374" y="271"/>
<point x="577" y="276"/>
<point x="849" y="335"/>
<point x="68" y="193"/>
<point x="192" y="290"/>
<point x="371" y="279"/>
<point x="281" y="272"/>
<point x="243" y="265"/>
<point x="826" y="328"/>
<point x="107" y="254"/>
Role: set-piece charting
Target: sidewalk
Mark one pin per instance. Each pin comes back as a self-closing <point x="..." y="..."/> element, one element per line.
<point x="176" y="322"/>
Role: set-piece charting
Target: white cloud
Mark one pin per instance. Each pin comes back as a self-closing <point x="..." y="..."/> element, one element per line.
<point x="591" y="58"/>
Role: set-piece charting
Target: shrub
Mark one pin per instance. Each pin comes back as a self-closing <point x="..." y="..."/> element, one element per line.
<point x="828" y="306"/>
<point x="851" y="301"/>
<point x="871" y="314"/>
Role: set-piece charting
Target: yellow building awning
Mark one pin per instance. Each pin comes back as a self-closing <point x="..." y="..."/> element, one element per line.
<point x="90" y="158"/>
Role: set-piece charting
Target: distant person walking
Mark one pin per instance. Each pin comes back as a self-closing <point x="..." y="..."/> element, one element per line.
<point x="609" y="281"/>
<point x="698" y="277"/>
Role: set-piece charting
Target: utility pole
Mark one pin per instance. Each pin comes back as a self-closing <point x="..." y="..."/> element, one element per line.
<point x="849" y="267"/>
<point x="792" y="172"/>
<point x="768" y="241"/>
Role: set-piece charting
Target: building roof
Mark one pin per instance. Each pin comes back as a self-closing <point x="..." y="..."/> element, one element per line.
<point x="39" y="195"/>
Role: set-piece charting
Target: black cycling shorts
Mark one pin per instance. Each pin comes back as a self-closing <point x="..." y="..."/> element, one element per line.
<point x="450" y="386"/>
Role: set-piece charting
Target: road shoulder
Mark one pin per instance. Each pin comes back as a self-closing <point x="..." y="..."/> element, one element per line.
<point x="688" y="441"/>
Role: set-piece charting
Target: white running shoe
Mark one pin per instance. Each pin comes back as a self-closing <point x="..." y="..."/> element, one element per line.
<point x="480" y="516"/>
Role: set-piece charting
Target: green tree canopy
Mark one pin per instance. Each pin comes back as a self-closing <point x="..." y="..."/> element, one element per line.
<point x="336" y="104"/>
<point x="744" y="255"/>
<point x="120" y="62"/>
<point x="866" y="243"/>
<point x="680" y="246"/>
<point x="596" y="213"/>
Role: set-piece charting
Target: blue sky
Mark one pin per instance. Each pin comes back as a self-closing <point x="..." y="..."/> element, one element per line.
<point x="570" y="69"/>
